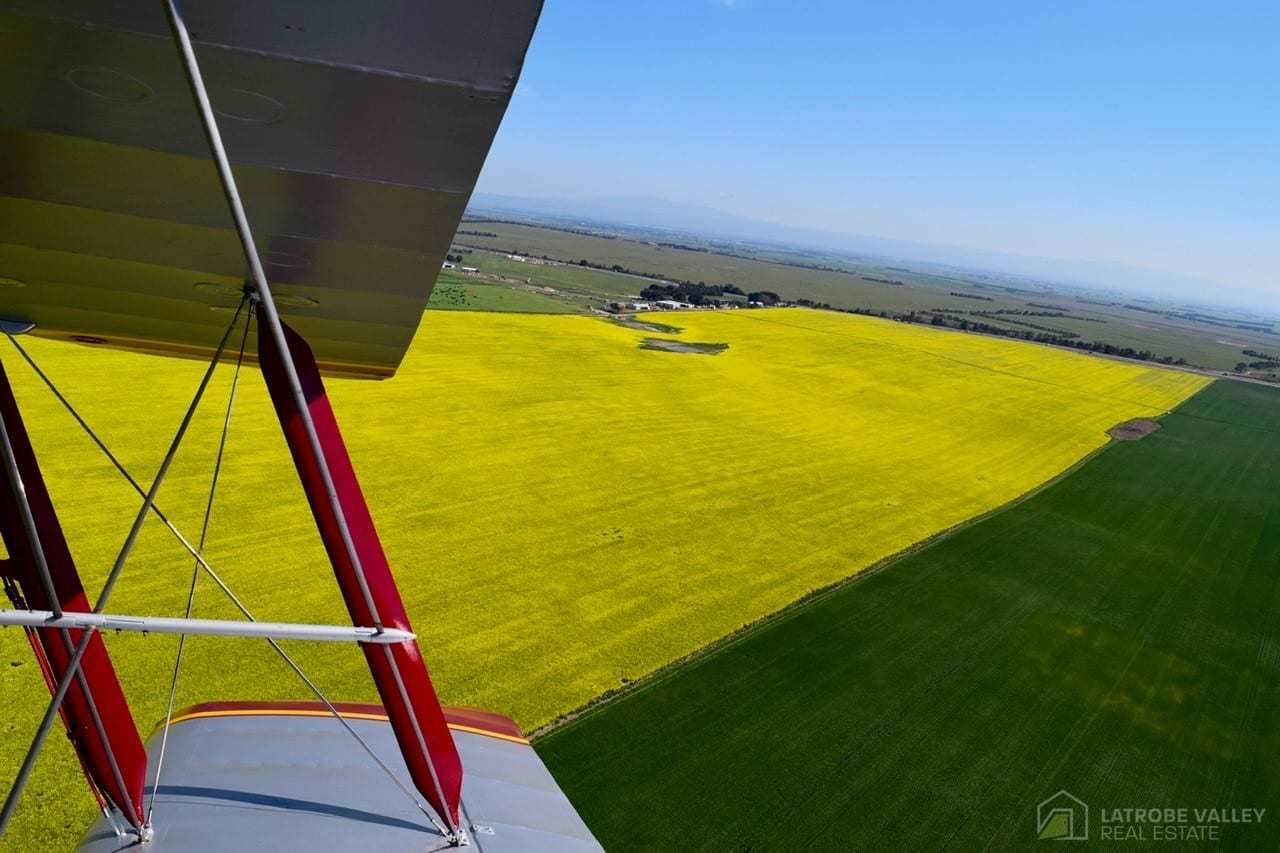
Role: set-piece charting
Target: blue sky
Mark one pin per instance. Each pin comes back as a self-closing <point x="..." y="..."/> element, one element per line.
<point x="1139" y="133"/>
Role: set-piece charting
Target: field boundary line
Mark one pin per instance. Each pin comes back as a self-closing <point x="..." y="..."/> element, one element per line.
<point x="568" y="720"/>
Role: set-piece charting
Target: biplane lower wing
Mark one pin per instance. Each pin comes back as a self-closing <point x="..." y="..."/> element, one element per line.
<point x="242" y="776"/>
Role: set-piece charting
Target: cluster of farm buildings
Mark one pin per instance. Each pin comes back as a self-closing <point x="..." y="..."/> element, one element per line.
<point x="724" y="301"/>
<point x="676" y="305"/>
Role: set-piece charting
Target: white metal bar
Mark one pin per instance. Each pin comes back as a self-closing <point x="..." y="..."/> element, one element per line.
<point x="78" y="621"/>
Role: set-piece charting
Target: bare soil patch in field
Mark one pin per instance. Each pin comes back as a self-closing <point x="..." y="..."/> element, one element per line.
<point x="647" y="326"/>
<point x="687" y="347"/>
<point x="1134" y="429"/>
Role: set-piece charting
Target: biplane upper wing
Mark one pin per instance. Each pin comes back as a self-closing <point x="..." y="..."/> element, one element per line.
<point x="357" y="131"/>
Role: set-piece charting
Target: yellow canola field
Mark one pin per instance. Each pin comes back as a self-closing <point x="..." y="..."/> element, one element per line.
<point x="565" y="511"/>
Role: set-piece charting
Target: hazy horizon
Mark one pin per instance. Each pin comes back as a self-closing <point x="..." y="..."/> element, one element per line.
<point x="1130" y="138"/>
<point x="641" y="216"/>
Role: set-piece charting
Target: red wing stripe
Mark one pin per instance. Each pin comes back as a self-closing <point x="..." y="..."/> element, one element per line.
<point x="459" y="719"/>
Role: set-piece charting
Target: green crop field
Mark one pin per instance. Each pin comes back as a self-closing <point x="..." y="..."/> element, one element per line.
<point x="457" y="293"/>
<point x="568" y="277"/>
<point x="1115" y="636"/>
<point x="1127" y="329"/>
<point x="565" y="510"/>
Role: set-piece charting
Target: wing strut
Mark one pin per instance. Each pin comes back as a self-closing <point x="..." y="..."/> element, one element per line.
<point x="336" y="500"/>
<point x="95" y="711"/>
<point x="363" y="573"/>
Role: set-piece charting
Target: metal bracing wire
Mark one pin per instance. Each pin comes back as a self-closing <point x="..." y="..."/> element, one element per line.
<point x="209" y="124"/>
<point x="14" y="593"/>
<point x="111" y="457"/>
<point x="226" y="590"/>
<point x="129" y="478"/>
<point x="191" y="592"/>
<point x="337" y="715"/>
<point x="195" y="568"/>
<point x="28" y="519"/>
<point x="73" y="666"/>
<point x="99" y="727"/>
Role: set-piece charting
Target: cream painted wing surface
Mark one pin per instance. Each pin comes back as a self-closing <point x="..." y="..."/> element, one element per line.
<point x="357" y="132"/>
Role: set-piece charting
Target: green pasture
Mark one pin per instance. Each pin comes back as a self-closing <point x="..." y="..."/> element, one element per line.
<point x="458" y="293"/>
<point x="568" y="277"/>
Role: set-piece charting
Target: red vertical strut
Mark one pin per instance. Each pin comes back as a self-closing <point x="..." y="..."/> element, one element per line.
<point x="99" y="674"/>
<point x="422" y="713"/>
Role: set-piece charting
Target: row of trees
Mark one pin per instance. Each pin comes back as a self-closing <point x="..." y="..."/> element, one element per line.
<point x="968" y="325"/>
<point x="1242" y="366"/>
<point x="695" y="294"/>
<point x="701" y="293"/>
